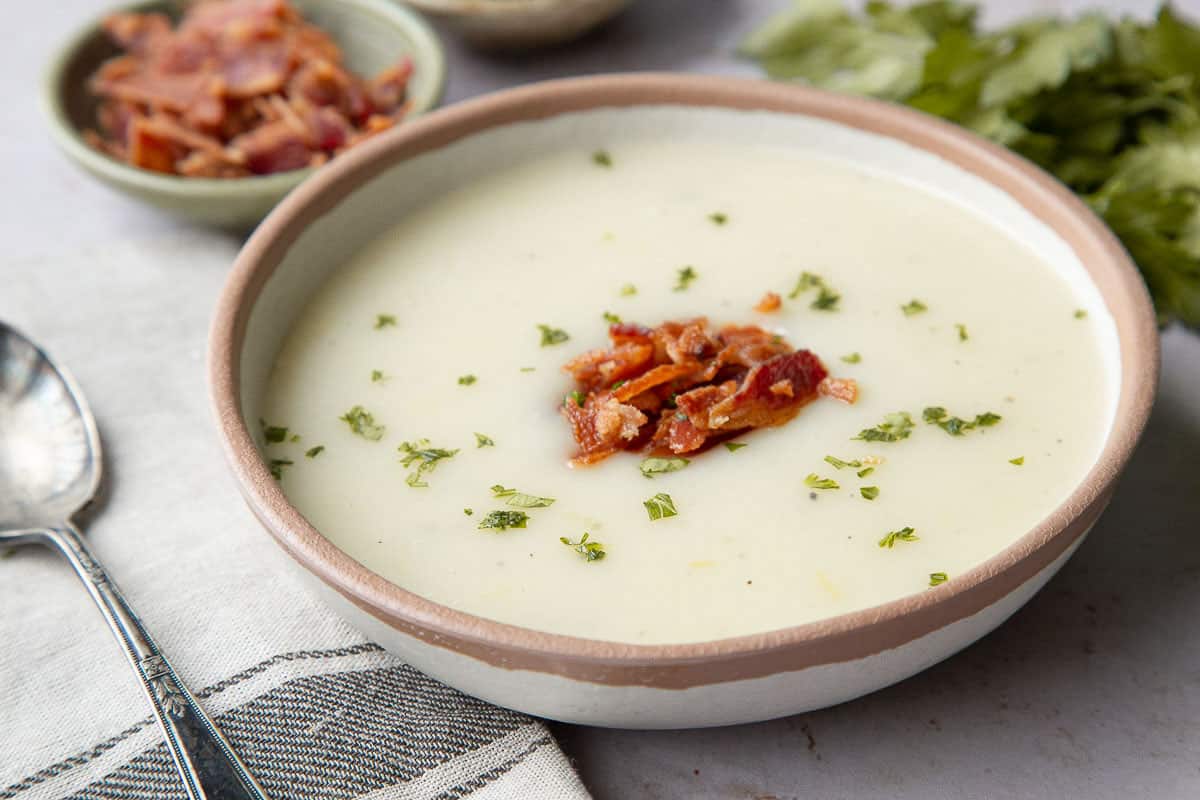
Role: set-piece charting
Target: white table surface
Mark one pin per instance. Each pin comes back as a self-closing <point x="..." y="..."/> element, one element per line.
<point x="1092" y="690"/>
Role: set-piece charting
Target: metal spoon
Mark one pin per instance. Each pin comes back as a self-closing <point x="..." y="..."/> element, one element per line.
<point x="50" y="469"/>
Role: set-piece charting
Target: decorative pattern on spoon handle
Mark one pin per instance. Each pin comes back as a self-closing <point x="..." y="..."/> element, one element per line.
<point x="208" y="766"/>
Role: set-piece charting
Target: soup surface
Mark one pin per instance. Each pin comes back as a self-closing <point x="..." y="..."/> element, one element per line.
<point x="433" y="330"/>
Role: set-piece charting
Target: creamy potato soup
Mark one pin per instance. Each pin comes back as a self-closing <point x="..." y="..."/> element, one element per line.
<point x="421" y="392"/>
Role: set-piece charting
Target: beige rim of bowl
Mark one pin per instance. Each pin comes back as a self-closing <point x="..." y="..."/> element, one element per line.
<point x="838" y="639"/>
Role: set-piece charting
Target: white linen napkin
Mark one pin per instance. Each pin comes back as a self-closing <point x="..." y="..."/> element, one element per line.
<point x="314" y="709"/>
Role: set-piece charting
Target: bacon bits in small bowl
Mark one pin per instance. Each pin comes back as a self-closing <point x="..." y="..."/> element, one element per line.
<point x="215" y="109"/>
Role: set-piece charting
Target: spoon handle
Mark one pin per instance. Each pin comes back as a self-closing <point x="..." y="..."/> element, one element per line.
<point x="208" y="766"/>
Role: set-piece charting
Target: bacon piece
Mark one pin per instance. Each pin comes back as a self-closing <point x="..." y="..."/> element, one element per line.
<point x="749" y="345"/>
<point x="770" y="302"/>
<point x="844" y="389"/>
<point x="273" y="147"/>
<point x="663" y="373"/>
<point x="754" y="405"/>
<point x="601" y="426"/>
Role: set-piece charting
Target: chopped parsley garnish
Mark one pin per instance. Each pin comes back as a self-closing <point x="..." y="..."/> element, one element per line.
<point x="869" y="492"/>
<point x="852" y="358"/>
<point x="733" y="447"/>
<point x="962" y="332"/>
<point x="377" y="376"/>
<point x="862" y="473"/>
<point x="469" y="511"/>
<point x="913" y="307"/>
<point x="827" y="298"/>
<point x="685" y="277"/>
<point x="718" y="218"/>
<point x="894" y="427"/>
<point x="837" y="463"/>
<point x="611" y="318"/>
<point x="591" y="551"/>
<point x="660" y="506"/>
<point x="814" y="481"/>
<point x="938" y="578"/>
<point x="956" y="426"/>
<point x="483" y="441"/>
<point x="601" y="158"/>
<point x="628" y="290"/>
<point x="426" y="459"/>
<point x="902" y="535"/>
<point x="362" y="422"/>
<point x="503" y="520"/>
<point x="466" y="380"/>
<point x="276" y="466"/>
<point x="552" y="336"/>
<point x="528" y="369"/>
<point x="807" y="280"/>
<point x="384" y="321"/>
<point x="1080" y="313"/>
<point x="1018" y="461"/>
<point x="274" y="434"/>
<point x="520" y="500"/>
<point x="658" y="466"/>
<point x="313" y="452"/>
<point x="576" y="396"/>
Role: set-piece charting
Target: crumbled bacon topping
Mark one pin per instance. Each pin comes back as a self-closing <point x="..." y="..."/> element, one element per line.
<point x="770" y="302"/>
<point x="683" y="385"/>
<point x="239" y="87"/>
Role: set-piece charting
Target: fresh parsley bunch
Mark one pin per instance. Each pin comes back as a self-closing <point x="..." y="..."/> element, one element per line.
<point x="1110" y="108"/>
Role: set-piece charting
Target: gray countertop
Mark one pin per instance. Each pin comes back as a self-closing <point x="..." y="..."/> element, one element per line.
<point x="1091" y="690"/>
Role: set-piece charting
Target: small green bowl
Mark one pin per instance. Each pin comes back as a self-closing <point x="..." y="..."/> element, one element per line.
<point x="372" y="34"/>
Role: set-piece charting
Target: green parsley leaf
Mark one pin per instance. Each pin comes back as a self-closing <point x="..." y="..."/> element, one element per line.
<point x="827" y="300"/>
<point x="852" y="358"/>
<point x="869" y="492"/>
<point x="806" y="281"/>
<point x="628" y="290"/>
<point x="590" y="551"/>
<point x="384" y="321"/>
<point x="313" y="452"/>
<point x="576" y="396"/>
<point x="660" y="506"/>
<point x="611" y="318"/>
<point x="733" y="447"/>
<point x="718" y="218"/>
<point x="362" y="423"/>
<point x="520" y="500"/>
<point x="552" y="336"/>
<point x="469" y="511"/>
<point x="658" y="466"/>
<point x="483" y="441"/>
<point x="862" y="473"/>
<point x="503" y="520"/>
<point x="466" y="380"/>
<point x="1018" y="461"/>
<point x="837" y="463"/>
<point x="273" y="434"/>
<point x="956" y="426"/>
<point x="902" y="535"/>
<point x="601" y="158"/>
<point x="813" y="481"/>
<point x="962" y="332"/>
<point x="426" y="459"/>
<point x="276" y="465"/>
<point x="686" y="276"/>
<point x="1080" y="313"/>
<point x="894" y="427"/>
<point x="938" y="578"/>
<point x="528" y="369"/>
<point x="914" y="306"/>
<point x="377" y="376"/>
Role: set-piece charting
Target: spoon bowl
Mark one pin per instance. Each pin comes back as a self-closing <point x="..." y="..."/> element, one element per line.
<point x="50" y="463"/>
